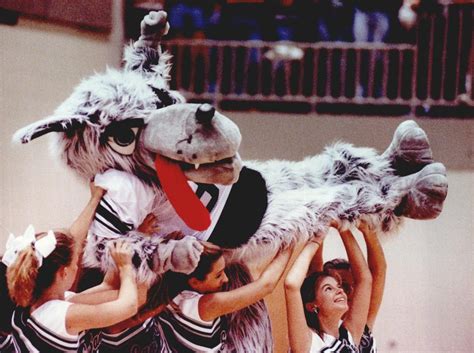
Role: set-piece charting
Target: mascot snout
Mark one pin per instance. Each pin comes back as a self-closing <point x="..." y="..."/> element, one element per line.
<point x="201" y="141"/>
<point x="192" y="142"/>
<point x="205" y="113"/>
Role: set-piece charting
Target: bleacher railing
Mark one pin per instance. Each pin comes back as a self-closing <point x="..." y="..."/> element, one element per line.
<point x="436" y="69"/>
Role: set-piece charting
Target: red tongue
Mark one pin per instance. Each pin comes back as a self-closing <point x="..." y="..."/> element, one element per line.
<point x="184" y="200"/>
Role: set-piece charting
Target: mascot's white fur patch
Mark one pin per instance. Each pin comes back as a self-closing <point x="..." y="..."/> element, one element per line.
<point x="125" y="119"/>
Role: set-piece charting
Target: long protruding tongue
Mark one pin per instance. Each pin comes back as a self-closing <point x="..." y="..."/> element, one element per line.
<point x="185" y="202"/>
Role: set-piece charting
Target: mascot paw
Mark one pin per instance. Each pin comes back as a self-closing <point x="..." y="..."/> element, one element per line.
<point x="153" y="27"/>
<point x="410" y="149"/>
<point x="185" y="255"/>
<point x="426" y="194"/>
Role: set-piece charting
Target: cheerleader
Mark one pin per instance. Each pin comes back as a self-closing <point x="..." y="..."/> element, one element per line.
<point x="320" y="317"/>
<point x="42" y="267"/>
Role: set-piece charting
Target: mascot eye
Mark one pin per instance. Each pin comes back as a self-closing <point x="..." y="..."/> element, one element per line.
<point x="123" y="140"/>
<point x="124" y="137"/>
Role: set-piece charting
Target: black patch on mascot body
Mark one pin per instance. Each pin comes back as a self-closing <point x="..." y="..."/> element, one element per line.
<point x="243" y="211"/>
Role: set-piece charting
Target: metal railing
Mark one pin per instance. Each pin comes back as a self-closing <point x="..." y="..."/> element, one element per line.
<point x="436" y="69"/>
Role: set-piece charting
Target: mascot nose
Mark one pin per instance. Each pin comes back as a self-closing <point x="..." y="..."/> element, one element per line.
<point x="205" y="113"/>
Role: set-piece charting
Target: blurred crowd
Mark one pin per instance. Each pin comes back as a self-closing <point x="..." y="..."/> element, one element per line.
<point x="295" y="20"/>
<point x="442" y="33"/>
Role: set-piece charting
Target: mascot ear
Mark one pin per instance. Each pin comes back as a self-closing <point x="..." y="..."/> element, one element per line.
<point x="45" y="126"/>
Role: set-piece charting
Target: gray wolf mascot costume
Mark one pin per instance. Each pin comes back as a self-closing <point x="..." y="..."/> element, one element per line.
<point x="187" y="155"/>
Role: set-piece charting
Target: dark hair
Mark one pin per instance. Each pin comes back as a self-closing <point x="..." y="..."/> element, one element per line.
<point x="308" y="295"/>
<point x="166" y="287"/>
<point x="27" y="281"/>
<point x="7" y="304"/>
<point x="337" y="264"/>
<point x="172" y="283"/>
<point x="209" y="256"/>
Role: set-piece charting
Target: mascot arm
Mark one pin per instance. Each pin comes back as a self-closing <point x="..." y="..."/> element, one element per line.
<point x="152" y="28"/>
<point x="178" y="255"/>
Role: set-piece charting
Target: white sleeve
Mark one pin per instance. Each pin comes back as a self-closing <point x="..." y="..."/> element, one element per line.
<point x="117" y="183"/>
<point x="68" y="295"/>
<point x="52" y="315"/>
<point x="316" y="343"/>
<point x="127" y="196"/>
<point x="188" y="304"/>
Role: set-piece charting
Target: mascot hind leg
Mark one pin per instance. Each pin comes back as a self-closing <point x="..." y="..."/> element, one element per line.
<point x="427" y="190"/>
<point x="423" y="181"/>
<point x="409" y="150"/>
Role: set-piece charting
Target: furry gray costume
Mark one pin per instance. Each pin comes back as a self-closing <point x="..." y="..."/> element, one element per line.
<point x="128" y="119"/>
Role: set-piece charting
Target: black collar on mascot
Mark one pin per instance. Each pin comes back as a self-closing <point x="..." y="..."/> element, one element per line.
<point x="243" y="212"/>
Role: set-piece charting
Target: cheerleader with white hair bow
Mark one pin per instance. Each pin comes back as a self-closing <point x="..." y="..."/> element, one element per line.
<point x="42" y="267"/>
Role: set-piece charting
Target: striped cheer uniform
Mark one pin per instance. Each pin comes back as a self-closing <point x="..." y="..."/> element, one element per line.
<point x="330" y="344"/>
<point x="186" y="332"/>
<point x="146" y="337"/>
<point x="29" y="335"/>
<point x="367" y="342"/>
<point x="6" y="344"/>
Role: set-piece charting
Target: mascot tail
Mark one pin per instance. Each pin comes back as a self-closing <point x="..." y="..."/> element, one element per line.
<point x="249" y="329"/>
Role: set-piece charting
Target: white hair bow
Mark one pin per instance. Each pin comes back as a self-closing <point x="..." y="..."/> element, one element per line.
<point x="43" y="247"/>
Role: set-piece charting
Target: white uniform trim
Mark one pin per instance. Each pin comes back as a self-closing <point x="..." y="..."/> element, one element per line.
<point x="328" y="343"/>
<point x="127" y="197"/>
<point x="223" y="194"/>
<point x="44" y="330"/>
<point x="24" y="339"/>
<point x="52" y="316"/>
<point x="129" y="200"/>
<point x="111" y="338"/>
<point x="189" y="330"/>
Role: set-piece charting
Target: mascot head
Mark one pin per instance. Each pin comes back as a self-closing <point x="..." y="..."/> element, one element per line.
<point x="130" y="120"/>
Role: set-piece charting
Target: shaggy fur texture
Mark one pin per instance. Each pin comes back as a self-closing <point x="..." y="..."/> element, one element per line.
<point x="249" y="327"/>
<point x="153" y="255"/>
<point x="95" y="126"/>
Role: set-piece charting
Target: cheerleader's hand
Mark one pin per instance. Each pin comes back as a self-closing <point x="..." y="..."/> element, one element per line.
<point x="149" y="225"/>
<point x="121" y="252"/>
<point x="96" y="191"/>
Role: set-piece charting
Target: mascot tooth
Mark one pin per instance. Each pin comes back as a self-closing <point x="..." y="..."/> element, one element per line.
<point x="186" y="156"/>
